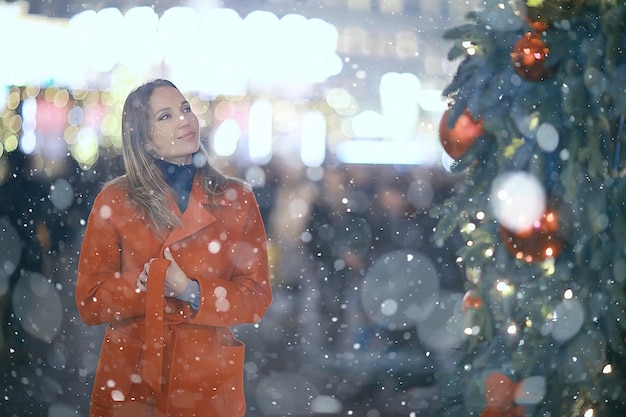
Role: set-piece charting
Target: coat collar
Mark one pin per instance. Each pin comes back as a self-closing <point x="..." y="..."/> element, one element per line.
<point x="197" y="215"/>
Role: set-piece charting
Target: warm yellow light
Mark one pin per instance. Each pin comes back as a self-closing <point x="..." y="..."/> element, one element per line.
<point x="504" y="288"/>
<point x="341" y="101"/>
<point x="61" y="98"/>
<point x="86" y="148"/>
<point x="13" y="100"/>
<point x="10" y="143"/>
<point x="31" y="91"/>
<point x="548" y="266"/>
<point x="70" y="135"/>
<point x="15" y="123"/>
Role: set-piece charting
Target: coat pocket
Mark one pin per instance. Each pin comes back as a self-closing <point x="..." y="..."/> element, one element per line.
<point x="206" y="373"/>
<point x="118" y="369"/>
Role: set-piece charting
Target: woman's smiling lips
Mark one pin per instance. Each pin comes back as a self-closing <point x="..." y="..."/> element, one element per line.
<point x="188" y="135"/>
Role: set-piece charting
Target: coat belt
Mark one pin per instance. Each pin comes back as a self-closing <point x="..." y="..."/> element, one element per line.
<point x="152" y="369"/>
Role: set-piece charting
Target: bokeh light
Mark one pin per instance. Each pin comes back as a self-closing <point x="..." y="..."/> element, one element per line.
<point x="547" y="137"/>
<point x="61" y="194"/>
<point x="399" y="289"/>
<point x="37" y="306"/>
<point x="567" y="319"/>
<point x="10" y="253"/>
<point x="285" y="393"/>
<point x="441" y="329"/>
<point x="531" y="390"/>
<point x="518" y="200"/>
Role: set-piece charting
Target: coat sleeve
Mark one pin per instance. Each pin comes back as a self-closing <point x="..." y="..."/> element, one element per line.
<point x="247" y="295"/>
<point x="105" y="293"/>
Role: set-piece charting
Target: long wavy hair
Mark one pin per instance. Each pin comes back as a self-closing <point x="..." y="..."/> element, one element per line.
<point x="143" y="180"/>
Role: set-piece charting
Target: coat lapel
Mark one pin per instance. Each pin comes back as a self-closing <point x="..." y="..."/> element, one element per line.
<point x="195" y="218"/>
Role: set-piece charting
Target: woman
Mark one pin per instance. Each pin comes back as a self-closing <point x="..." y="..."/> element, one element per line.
<point x="174" y="253"/>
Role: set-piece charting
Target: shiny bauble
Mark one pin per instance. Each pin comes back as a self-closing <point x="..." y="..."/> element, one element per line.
<point x="461" y="137"/>
<point x="529" y="57"/>
<point x="538" y="243"/>
<point x="471" y="301"/>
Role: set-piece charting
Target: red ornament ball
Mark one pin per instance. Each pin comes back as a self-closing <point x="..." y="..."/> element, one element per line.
<point x="538" y="243"/>
<point x="500" y="397"/>
<point x="471" y="300"/>
<point x="528" y="57"/>
<point x="538" y="25"/>
<point x="461" y="137"/>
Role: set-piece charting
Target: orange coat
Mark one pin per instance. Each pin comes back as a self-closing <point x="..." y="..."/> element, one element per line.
<point x="159" y="357"/>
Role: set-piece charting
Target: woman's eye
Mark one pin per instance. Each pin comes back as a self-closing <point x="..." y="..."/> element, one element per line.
<point x="186" y="109"/>
<point x="164" y="116"/>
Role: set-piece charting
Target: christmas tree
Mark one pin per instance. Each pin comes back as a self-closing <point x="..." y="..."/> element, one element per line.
<point x="536" y="124"/>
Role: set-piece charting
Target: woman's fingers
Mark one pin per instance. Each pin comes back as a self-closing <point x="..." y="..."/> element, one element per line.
<point x="142" y="281"/>
<point x="175" y="279"/>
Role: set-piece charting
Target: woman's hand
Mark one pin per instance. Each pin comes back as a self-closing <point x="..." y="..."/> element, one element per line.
<point x="175" y="279"/>
<point x="142" y="279"/>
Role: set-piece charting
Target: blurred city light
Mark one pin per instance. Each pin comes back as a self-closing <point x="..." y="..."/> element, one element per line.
<point x="226" y="138"/>
<point x="260" y="135"/>
<point x="313" y="146"/>
<point x="213" y="54"/>
<point x="398" y="97"/>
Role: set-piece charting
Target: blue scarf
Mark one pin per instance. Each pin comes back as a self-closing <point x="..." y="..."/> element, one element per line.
<point x="180" y="180"/>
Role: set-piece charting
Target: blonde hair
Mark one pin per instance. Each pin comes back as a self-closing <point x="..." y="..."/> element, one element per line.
<point x="143" y="180"/>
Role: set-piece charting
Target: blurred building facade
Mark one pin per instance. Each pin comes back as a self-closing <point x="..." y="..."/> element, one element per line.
<point x="380" y="67"/>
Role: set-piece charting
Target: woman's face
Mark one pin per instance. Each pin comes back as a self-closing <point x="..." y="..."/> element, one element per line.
<point x="174" y="129"/>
